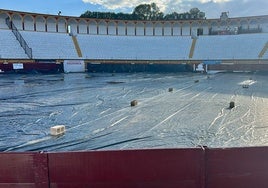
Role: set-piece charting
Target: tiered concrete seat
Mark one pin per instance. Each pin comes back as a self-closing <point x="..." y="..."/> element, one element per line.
<point x="47" y="45"/>
<point x="10" y="47"/>
<point x="134" y="47"/>
<point x="247" y="46"/>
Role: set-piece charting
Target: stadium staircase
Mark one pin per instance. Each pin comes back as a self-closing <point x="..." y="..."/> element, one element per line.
<point x="192" y="48"/>
<point x="19" y="37"/>
<point x="77" y="47"/>
<point x="264" y="50"/>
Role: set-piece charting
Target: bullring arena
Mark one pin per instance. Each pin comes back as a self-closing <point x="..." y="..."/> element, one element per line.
<point x="140" y="103"/>
<point x="135" y="45"/>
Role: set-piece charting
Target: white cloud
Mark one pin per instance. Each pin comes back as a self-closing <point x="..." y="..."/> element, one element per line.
<point x="123" y="4"/>
<point x="214" y="1"/>
<point x="164" y="5"/>
<point x="212" y="8"/>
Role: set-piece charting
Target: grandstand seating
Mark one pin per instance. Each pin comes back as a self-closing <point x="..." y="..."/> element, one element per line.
<point x="52" y="45"/>
<point x="220" y="47"/>
<point x="134" y="47"/>
<point x="10" y="47"/>
<point x="46" y="45"/>
<point x="265" y="56"/>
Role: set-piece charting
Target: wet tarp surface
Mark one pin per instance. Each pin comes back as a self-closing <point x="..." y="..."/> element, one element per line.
<point x="95" y="108"/>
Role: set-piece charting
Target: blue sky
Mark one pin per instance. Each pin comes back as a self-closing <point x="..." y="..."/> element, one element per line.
<point x="212" y="8"/>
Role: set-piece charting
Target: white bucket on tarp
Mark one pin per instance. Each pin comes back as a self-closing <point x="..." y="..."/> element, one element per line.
<point x="74" y="66"/>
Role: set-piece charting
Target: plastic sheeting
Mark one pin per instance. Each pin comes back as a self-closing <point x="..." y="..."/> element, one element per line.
<point x="95" y="108"/>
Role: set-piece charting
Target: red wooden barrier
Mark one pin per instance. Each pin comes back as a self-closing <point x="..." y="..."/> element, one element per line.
<point x="237" y="167"/>
<point x="6" y="67"/>
<point x="131" y="168"/>
<point x="187" y="168"/>
<point x="23" y="170"/>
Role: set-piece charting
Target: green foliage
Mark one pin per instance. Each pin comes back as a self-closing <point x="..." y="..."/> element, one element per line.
<point x="146" y="12"/>
<point x="107" y="15"/>
<point x="193" y="14"/>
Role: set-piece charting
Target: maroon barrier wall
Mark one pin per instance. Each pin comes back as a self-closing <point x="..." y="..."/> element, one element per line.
<point x="6" y="67"/>
<point x="131" y="168"/>
<point x="237" y="167"/>
<point x="23" y="170"/>
<point x="239" y="67"/>
<point x="187" y="168"/>
<point x="33" y="66"/>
